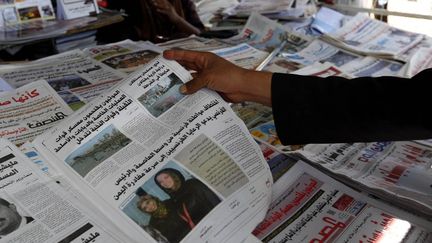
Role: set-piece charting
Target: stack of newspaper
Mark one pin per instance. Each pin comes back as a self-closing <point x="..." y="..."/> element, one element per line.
<point x="110" y="151"/>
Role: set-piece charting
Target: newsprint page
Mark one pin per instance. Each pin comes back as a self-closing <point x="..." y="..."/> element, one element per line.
<point x="35" y="208"/>
<point x="161" y="165"/>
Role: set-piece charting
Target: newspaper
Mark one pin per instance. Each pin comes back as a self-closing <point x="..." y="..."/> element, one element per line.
<point x="71" y="9"/>
<point x="320" y="51"/>
<point x="266" y="34"/>
<point x="29" y="111"/>
<point x="281" y="65"/>
<point x="24" y="11"/>
<point x="368" y="36"/>
<point x="373" y="67"/>
<point x="195" y="43"/>
<point x="123" y="148"/>
<point x="396" y="171"/>
<point x="35" y="208"/>
<point x="125" y="56"/>
<point x="243" y="55"/>
<point x="308" y="206"/>
<point x="321" y="70"/>
<point x="421" y="60"/>
<point x="74" y="76"/>
<point x="248" y="7"/>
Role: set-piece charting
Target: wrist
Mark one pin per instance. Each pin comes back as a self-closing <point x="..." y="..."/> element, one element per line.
<point x="257" y="86"/>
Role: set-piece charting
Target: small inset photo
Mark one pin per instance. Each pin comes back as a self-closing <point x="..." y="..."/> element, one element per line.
<point x="162" y="96"/>
<point x="11" y="218"/>
<point x="105" y="144"/>
<point x="171" y="203"/>
<point x="29" y="13"/>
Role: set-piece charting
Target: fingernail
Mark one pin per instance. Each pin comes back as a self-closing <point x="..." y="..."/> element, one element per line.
<point x="183" y="89"/>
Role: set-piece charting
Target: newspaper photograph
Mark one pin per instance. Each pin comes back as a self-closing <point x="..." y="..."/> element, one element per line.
<point x="125" y="56"/>
<point x="309" y="206"/>
<point x="36" y="209"/>
<point x="153" y="157"/>
<point x="29" y="111"/>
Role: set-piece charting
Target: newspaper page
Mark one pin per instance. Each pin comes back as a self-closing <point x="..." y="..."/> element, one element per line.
<point x="29" y="111"/>
<point x="308" y="206"/>
<point x="243" y="55"/>
<point x="195" y="43"/>
<point x="266" y="34"/>
<point x="248" y="7"/>
<point x="71" y="9"/>
<point x="75" y="77"/>
<point x="280" y="64"/>
<point x="24" y="11"/>
<point x="143" y="143"/>
<point x="125" y="56"/>
<point x="373" y="67"/>
<point x="421" y="60"/>
<point x="36" y="209"/>
<point x="400" y="171"/>
<point x="322" y="70"/>
<point x="319" y="51"/>
<point x="368" y="36"/>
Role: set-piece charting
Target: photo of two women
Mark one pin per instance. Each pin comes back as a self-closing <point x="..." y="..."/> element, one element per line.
<point x="170" y="204"/>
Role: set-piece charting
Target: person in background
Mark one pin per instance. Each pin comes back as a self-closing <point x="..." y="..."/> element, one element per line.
<point x="309" y="109"/>
<point x="159" y="20"/>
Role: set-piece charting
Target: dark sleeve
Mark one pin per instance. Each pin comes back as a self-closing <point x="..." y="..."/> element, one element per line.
<point x="336" y="110"/>
<point x="191" y="14"/>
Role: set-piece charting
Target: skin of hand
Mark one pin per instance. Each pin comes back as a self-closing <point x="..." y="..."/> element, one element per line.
<point x="233" y="83"/>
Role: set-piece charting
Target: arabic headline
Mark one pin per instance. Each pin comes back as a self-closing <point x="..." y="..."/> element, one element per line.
<point x="108" y="109"/>
<point x="131" y="177"/>
<point x="149" y="75"/>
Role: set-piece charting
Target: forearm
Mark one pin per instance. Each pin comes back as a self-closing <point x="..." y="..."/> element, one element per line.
<point x="257" y="86"/>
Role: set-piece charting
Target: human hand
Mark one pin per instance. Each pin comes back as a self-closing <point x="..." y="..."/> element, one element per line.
<point x="235" y="84"/>
<point x="166" y="8"/>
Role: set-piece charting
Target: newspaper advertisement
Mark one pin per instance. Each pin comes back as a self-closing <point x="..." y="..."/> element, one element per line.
<point x="125" y="56"/>
<point x="36" y="209"/>
<point x="75" y="77"/>
<point x="195" y="43"/>
<point x="17" y="12"/>
<point x="400" y="170"/>
<point x="308" y="206"/>
<point x="157" y="160"/>
<point x="243" y="55"/>
<point x="266" y="34"/>
<point x="374" y="67"/>
<point x="369" y="36"/>
<point x="29" y="111"/>
<point x="319" y="51"/>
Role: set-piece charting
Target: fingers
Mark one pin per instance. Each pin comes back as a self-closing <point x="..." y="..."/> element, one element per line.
<point x="194" y="85"/>
<point x="198" y="58"/>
